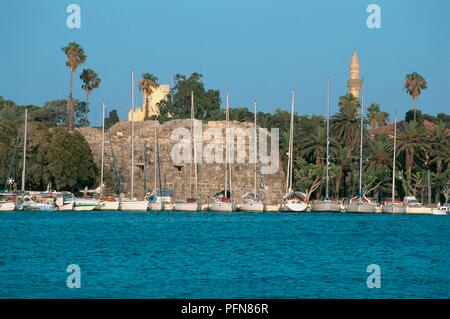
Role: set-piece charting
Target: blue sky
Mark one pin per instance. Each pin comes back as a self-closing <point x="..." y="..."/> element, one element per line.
<point x="255" y="48"/>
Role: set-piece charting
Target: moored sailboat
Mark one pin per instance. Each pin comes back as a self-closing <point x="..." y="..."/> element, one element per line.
<point x="394" y="206"/>
<point x="105" y="203"/>
<point x="251" y="201"/>
<point x="132" y="203"/>
<point x="192" y="203"/>
<point x="222" y="200"/>
<point x="293" y="201"/>
<point x="326" y="204"/>
<point x="360" y="203"/>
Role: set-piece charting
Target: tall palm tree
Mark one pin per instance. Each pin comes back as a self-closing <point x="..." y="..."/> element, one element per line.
<point x="411" y="141"/>
<point x="314" y="145"/>
<point x="440" y="148"/>
<point x="345" y="125"/>
<point x="75" y="57"/>
<point x="91" y="81"/>
<point x="148" y="83"/>
<point x="373" y="112"/>
<point x="414" y="84"/>
<point x="343" y="162"/>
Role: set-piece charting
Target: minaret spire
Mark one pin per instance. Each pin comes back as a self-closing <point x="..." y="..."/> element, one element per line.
<point x="354" y="84"/>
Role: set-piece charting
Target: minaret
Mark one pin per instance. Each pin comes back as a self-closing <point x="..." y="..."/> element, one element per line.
<point x="354" y="84"/>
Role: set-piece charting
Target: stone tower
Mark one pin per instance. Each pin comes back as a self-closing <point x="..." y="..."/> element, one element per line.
<point x="354" y="84"/>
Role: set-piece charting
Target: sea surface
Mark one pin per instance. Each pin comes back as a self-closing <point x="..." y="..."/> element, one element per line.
<point x="223" y="255"/>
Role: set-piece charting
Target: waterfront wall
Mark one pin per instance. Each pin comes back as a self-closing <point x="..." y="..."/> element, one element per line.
<point x="174" y="176"/>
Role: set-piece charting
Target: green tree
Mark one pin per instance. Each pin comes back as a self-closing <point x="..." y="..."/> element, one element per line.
<point x="307" y="177"/>
<point x="410" y="141"/>
<point x="314" y="144"/>
<point x="91" y="81"/>
<point x="178" y="103"/>
<point x="414" y="83"/>
<point x="373" y="112"/>
<point x="75" y="57"/>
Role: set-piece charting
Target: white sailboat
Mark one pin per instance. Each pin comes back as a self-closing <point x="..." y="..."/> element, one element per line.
<point x="293" y="201"/>
<point x="326" y="204"/>
<point x="192" y="203"/>
<point x="360" y="203"/>
<point x="132" y="204"/>
<point x="394" y="206"/>
<point x="105" y="203"/>
<point x="222" y="201"/>
<point x="251" y="201"/>
<point x="160" y="199"/>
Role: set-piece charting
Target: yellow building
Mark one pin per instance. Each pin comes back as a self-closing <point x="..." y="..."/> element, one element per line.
<point x="354" y="84"/>
<point x="150" y="103"/>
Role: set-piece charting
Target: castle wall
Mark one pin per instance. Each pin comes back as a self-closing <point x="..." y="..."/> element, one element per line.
<point x="176" y="177"/>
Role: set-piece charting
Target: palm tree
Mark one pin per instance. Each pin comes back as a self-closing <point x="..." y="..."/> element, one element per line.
<point x="75" y="57"/>
<point x="440" y="148"/>
<point x="315" y="144"/>
<point x="414" y="84"/>
<point x="343" y="162"/>
<point x="378" y="158"/>
<point x="91" y="81"/>
<point x="345" y="125"/>
<point x="373" y="112"/>
<point x="410" y="141"/>
<point x="148" y="83"/>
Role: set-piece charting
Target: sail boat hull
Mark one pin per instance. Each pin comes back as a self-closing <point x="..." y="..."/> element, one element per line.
<point x="134" y="205"/>
<point x="394" y="209"/>
<point x="107" y="205"/>
<point x="360" y="207"/>
<point x="187" y="207"/>
<point x="293" y="207"/>
<point x="7" y="206"/>
<point x="253" y="206"/>
<point x="326" y="206"/>
<point x="222" y="207"/>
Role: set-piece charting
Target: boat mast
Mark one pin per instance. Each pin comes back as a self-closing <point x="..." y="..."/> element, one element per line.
<point x="361" y="141"/>
<point x="328" y="142"/>
<point x="132" y="134"/>
<point x="255" y="148"/>
<point x="226" y="148"/>
<point x="103" y="149"/>
<point x="393" y="160"/>
<point x="291" y="141"/>
<point x="193" y="139"/>
<point x="24" y="149"/>
<point x="156" y="158"/>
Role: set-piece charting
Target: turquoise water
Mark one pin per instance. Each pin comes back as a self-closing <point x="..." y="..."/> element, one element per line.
<point x="223" y="255"/>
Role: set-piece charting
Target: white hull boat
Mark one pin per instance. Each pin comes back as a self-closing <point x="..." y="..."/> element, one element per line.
<point x="326" y="206"/>
<point x="251" y="206"/>
<point x="133" y="205"/>
<point x="7" y="206"/>
<point x="390" y="208"/>
<point x="222" y="206"/>
<point x="85" y="204"/>
<point x="293" y="206"/>
<point x="187" y="206"/>
<point x="361" y="207"/>
<point x="107" y="205"/>
<point x="66" y="206"/>
<point x="437" y="211"/>
<point x="156" y="206"/>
